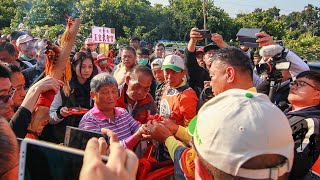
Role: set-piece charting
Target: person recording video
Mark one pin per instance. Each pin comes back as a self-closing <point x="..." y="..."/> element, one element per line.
<point x="274" y="55"/>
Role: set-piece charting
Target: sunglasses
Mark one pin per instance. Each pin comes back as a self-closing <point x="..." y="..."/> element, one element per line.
<point x="5" y="98"/>
<point x="300" y="84"/>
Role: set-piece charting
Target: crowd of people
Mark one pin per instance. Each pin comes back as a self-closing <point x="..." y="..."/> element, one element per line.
<point x="211" y="113"/>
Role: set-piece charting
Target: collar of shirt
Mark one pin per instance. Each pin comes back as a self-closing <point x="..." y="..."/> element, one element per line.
<point x="253" y="89"/>
<point x="102" y="117"/>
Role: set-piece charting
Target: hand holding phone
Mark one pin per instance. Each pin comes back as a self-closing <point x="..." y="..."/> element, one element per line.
<point x="205" y="33"/>
<point x="122" y="163"/>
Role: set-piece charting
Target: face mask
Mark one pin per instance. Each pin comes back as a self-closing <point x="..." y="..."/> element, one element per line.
<point x="143" y="61"/>
<point x="26" y="58"/>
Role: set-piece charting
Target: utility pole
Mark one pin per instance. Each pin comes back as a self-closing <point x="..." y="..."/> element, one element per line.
<point x="204" y="20"/>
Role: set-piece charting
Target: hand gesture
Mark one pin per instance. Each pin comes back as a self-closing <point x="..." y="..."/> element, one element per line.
<point x="264" y="40"/>
<point x="157" y="131"/>
<point x="64" y="112"/>
<point x="170" y="124"/>
<point x="217" y="38"/>
<point x="195" y="35"/>
<point x="48" y="83"/>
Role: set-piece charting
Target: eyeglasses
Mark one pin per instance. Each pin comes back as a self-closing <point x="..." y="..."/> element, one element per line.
<point x="5" y="98"/>
<point x="300" y="84"/>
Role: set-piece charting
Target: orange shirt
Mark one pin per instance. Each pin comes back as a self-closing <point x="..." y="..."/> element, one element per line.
<point x="179" y="104"/>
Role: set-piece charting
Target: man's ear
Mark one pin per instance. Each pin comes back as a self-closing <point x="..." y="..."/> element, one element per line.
<point x="92" y="95"/>
<point x="230" y="73"/>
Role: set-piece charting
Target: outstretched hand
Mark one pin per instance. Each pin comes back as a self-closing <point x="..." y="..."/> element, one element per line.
<point x="264" y="40"/>
<point x="46" y="84"/>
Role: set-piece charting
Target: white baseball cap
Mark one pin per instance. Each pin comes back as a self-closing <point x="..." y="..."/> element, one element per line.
<point x="157" y="63"/>
<point x="89" y="41"/>
<point x="23" y="39"/>
<point x="238" y="125"/>
<point x="173" y="62"/>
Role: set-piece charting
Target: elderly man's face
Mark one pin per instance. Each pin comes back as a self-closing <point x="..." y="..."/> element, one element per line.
<point x="173" y="78"/>
<point x="106" y="97"/>
<point x="6" y="103"/>
<point x="138" y="86"/>
<point x="128" y="58"/>
<point x="28" y="49"/>
<point x="304" y="92"/>
<point x="218" y="77"/>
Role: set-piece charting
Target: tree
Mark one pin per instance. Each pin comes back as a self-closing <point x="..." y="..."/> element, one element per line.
<point x="7" y="11"/>
<point x="268" y="20"/>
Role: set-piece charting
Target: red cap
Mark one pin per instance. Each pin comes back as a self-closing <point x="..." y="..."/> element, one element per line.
<point x="200" y="50"/>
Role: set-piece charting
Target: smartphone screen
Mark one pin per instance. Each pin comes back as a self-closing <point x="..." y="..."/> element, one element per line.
<point x="46" y="163"/>
<point x="78" y="138"/>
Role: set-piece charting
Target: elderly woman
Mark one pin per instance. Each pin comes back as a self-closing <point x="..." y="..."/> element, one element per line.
<point x="104" y="114"/>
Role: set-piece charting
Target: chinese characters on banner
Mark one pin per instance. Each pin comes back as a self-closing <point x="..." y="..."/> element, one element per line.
<point x="103" y="35"/>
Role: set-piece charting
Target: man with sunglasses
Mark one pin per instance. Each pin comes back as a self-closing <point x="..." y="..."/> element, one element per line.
<point x="6" y="93"/>
<point x="304" y="118"/>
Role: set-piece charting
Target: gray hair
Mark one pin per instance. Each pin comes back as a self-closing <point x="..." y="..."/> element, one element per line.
<point x="271" y="50"/>
<point x="102" y="79"/>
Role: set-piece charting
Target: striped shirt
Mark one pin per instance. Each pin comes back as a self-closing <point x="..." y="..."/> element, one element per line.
<point x="124" y="125"/>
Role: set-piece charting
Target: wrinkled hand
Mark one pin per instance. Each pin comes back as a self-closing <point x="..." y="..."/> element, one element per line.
<point x="170" y="124"/>
<point x="206" y="84"/>
<point x="48" y="83"/>
<point x="217" y="38"/>
<point x="157" y="131"/>
<point x="264" y="40"/>
<point x="64" y="112"/>
<point x="122" y="164"/>
<point x="195" y="35"/>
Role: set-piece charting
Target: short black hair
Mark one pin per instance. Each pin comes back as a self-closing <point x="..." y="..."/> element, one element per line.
<point x="160" y="44"/>
<point x="15" y="35"/>
<point x="143" y="51"/>
<point x="4" y="71"/>
<point x="129" y="48"/>
<point x="135" y="39"/>
<point x="13" y="68"/>
<point x="235" y="58"/>
<point x="141" y="69"/>
<point x="312" y="75"/>
<point x="6" y="46"/>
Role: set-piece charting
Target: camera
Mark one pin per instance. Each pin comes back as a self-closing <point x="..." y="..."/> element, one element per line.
<point x="277" y="63"/>
<point x="205" y="33"/>
<point x="247" y="37"/>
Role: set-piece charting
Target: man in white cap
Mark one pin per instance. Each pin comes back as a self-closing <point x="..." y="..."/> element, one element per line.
<point x="25" y="46"/>
<point x="179" y="100"/>
<point x="158" y="75"/>
<point x="237" y="134"/>
<point x="89" y="44"/>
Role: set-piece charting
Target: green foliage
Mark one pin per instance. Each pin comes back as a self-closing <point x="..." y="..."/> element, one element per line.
<point x="306" y="45"/>
<point x="7" y="11"/>
<point x="268" y="20"/>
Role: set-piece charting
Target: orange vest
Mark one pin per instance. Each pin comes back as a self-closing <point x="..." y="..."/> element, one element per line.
<point x="179" y="104"/>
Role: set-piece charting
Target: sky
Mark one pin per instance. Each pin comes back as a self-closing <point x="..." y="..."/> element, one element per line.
<point x="234" y="7"/>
